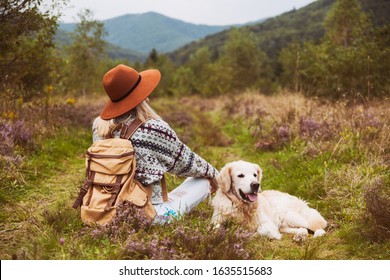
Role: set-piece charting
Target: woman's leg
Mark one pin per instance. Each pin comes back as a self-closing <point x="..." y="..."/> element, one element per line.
<point x="183" y="199"/>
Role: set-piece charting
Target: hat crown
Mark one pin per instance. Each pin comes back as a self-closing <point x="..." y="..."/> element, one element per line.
<point x="119" y="81"/>
<point x="126" y="89"/>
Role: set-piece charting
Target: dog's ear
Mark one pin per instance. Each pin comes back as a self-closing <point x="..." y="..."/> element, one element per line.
<point x="259" y="173"/>
<point x="224" y="178"/>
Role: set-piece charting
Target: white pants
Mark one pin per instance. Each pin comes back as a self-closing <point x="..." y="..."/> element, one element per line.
<point x="182" y="199"/>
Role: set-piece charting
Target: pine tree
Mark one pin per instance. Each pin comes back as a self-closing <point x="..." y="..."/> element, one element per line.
<point x="242" y="60"/>
<point x="346" y="23"/>
<point x="346" y="50"/>
<point x="350" y="60"/>
<point x="86" y="54"/>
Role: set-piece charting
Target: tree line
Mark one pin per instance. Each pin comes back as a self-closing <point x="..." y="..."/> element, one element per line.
<point x="351" y="60"/>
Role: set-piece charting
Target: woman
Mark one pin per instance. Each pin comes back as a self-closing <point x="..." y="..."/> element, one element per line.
<point x="157" y="148"/>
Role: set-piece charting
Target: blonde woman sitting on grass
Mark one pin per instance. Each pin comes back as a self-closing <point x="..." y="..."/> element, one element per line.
<point x="158" y="150"/>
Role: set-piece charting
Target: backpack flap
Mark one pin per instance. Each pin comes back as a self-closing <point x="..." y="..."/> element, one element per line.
<point x="111" y="156"/>
<point x="107" y="180"/>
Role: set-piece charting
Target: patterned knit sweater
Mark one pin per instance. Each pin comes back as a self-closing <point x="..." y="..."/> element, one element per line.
<point x="158" y="150"/>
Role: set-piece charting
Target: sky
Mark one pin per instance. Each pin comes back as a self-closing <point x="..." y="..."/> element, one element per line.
<point x="211" y="12"/>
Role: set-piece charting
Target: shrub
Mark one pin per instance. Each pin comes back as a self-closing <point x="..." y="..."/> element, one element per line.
<point x="15" y="136"/>
<point x="377" y="198"/>
<point x="128" y="220"/>
<point x="191" y="242"/>
<point x="15" y="133"/>
<point x="181" y="239"/>
<point x="312" y="129"/>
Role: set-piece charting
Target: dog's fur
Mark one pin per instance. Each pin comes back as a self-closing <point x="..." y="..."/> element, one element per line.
<point x="270" y="212"/>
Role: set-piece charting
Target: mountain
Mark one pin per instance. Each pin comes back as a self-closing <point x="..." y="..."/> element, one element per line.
<point x="143" y="32"/>
<point x="305" y="24"/>
<point x="63" y="38"/>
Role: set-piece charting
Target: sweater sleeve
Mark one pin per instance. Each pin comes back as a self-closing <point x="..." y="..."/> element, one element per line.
<point x="189" y="164"/>
<point x="173" y="155"/>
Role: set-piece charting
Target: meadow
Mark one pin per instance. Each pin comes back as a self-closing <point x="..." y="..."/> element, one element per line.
<point x="333" y="154"/>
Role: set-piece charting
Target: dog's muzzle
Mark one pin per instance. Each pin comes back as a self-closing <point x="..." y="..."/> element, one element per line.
<point x="253" y="195"/>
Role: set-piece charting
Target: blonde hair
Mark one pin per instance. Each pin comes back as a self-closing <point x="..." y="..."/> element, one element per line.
<point x="142" y="111"/>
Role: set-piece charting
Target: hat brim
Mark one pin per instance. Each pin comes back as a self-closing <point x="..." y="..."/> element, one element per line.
<point x="149" y="80"/>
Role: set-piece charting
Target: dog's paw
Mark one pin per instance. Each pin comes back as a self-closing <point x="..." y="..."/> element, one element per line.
<point x="300" y="237"/>
<point x="216" y="226"/>
<point x="276" y="235"/>
<point x="319" y="232"/>
<point x="302" y="231"/>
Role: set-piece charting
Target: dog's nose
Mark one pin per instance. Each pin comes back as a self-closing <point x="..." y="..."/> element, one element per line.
<point x="255" y="187"/>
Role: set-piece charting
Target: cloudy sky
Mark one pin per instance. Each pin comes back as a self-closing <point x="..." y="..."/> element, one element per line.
<point x="212" y="12"/>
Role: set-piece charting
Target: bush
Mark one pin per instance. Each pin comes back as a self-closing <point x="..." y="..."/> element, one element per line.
<point x="377" y="198"/>
<point x="15" y="138"/>
<point x="26" y="46"/>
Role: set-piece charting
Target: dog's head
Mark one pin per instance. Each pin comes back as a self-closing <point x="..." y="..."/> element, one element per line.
<point x="240" y="179"/>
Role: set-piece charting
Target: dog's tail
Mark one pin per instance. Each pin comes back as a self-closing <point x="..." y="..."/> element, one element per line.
<point x="315" y="220"/>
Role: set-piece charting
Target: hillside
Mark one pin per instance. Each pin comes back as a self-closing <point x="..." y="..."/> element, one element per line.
<point x="63" y="38"/>
<point x="305" y="24"/>
<point x="143" y="32"/>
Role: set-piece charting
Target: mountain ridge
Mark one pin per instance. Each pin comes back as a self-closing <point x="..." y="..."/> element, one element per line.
<point x="147" y="31"/>
<point x="304" y="24"/>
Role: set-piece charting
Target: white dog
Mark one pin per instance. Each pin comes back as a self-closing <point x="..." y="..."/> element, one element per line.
<point x="269" y="212"/>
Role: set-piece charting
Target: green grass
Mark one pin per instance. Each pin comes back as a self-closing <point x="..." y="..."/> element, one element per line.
<point x="52" y="174"/>
<point x="37" y="221"/>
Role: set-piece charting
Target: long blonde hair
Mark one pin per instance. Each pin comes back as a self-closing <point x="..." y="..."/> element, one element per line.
<point x="143" y="111"/>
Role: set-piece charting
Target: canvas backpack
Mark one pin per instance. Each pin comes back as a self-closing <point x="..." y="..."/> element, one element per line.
<point x="110" y="171"/>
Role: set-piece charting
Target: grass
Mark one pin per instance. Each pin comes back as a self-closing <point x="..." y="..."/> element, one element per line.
<point x="332" y="154"/>
<point x="52" y="175"/>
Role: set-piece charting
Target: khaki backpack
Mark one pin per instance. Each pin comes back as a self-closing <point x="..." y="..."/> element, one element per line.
<point x="110" y="170"/>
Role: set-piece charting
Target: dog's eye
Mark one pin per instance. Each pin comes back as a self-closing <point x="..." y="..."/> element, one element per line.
<point x="254" y="175"/>
<point x="240" y="175"/>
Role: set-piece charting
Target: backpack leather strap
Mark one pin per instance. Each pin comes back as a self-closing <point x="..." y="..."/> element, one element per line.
<point x="89" y="177"/>
<point x="114" y="193"/>
<point x="79" y="200"/>
<point x="129" y="129"/>
<point x="164" y="189"/>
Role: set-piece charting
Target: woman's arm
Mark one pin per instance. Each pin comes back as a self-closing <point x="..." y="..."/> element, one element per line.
<point x="176" y="156"/>
<point x="189" y="164"/>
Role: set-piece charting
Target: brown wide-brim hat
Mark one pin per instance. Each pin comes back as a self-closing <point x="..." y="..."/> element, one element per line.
<point x="127" y="88"/>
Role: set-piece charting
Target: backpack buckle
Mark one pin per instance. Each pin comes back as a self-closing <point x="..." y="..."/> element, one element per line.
<point x="114" y="193"/>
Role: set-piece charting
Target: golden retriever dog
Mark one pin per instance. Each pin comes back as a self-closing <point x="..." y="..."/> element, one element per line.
<point x="270" y="212"/>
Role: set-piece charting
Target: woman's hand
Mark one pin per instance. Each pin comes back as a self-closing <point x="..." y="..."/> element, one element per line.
<point x="213" y="185"/>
